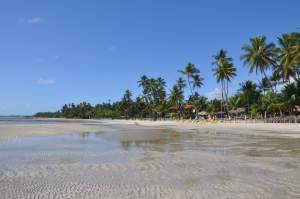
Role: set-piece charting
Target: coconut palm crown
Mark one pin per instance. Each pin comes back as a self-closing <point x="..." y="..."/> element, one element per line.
<point x="259" y="55"/>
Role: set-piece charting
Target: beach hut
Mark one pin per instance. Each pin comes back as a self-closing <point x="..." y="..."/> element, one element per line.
<point x="219" y="114"/>
<point x="237" y="111"/>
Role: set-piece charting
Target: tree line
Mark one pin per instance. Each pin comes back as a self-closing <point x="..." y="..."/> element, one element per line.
<point x="276" y="94"/>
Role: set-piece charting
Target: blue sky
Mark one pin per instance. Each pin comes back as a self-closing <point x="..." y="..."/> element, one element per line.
<point x="56" y="52"/>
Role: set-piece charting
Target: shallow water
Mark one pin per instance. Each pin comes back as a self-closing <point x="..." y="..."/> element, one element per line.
<point x="140" y="162"/>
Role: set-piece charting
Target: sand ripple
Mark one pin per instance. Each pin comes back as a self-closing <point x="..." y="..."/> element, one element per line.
<point x="133" y="162"/>
<point x="159" y="177"/>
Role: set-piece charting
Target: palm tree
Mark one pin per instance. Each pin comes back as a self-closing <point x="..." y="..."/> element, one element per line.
<point x="176" y="98"/>
<point x="265" y="85"/>
<point x="248" y="88"/>
<point x="221" y="55"/>
<point x="144" y="83"/>
<point x="181" y="83"/>
<point x="291" y="95"/>
<point x="160" y="96"/>
<point x="259" y="55"/>
<point x="126" y="103"/>
<point x="190" y="71"/>
<point x="288" y="60"/>
<point x="296" y="51"/>
<point x="160" y="85"/>
<point x="197" y="82"/>
<point x="224" y="72"/>
<point x="275" y="81"/>
<point x="234" y="102"/>
<point x="194" y="79"/>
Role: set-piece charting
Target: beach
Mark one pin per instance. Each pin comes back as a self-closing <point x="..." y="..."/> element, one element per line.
<point x="44" y="127"/>
<point x="60" y="158"/>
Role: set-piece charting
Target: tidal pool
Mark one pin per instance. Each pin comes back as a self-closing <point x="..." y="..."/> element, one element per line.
<point x="143" y="162"/>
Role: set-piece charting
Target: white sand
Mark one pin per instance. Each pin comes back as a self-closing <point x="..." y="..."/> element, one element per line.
<point x="76" y="126"/>
<point x="200" y="161"/>
<point x="271" y="129"/>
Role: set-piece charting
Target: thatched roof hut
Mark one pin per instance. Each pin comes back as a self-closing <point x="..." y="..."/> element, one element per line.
<point x="237" y="111"/>
<point x="188" y="106"/>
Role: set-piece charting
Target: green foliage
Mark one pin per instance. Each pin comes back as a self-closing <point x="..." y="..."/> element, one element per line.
<point x="288" y="58"/>
<point x="194" y="79"/>
<point x="213" y="106"/>
<point x="48" y="114"/>
<point x="265" y="85"/>
<point x="235" y="102"/>
<point x="262" y="100"/>
<point x="255" y="111"/>
<point x="224" y="71"/>
<point x="259" y="55"/>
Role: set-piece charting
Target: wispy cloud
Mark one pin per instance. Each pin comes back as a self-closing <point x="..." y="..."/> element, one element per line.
<point x="214" y="94"/>
<point x="34" y="20"/>
<point x="47" y="59"/>
<point x="43" y="81"/>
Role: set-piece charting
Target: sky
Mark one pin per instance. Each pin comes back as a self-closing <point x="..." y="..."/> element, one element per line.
<point x="56" y="52"/>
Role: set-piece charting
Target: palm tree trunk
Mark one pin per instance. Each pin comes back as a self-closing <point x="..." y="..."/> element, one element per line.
<point x="222" y="84"/>
<point x="227" y="92"/>
<point x="265" y="115"/>
<point x="226" y="96"/>
<point x="248" y="104"/>
<point x="188" y="77"/>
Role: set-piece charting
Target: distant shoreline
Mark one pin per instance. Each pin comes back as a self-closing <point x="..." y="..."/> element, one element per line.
<point x="58" y="126"/>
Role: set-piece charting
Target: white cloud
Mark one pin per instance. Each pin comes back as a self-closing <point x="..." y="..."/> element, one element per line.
<point x="214" y="94"/>
<point x="43" y="81"/>
<point x="35" y="20"/>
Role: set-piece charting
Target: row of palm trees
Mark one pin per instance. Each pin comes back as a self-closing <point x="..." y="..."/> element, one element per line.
<point x="261" y="56"/>
<point x="279" y="65"/>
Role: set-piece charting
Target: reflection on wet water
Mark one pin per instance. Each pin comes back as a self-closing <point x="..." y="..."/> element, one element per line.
<point x="207" y="163"/>
<point x="73" y="148"/>
<point x="120" y="145"/>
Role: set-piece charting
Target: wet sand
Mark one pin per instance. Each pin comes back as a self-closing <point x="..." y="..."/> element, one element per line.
<point x="119" y="159"/>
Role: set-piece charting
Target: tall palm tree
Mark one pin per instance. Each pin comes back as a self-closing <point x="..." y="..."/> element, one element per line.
<point x="144" y="84"/>
<point x="190" y="71"/>
<point x="194" y="80"/>
<point x="297" y="52"/>
<point x="221" y="55"/>
<point x="259" y="55"/>
<point x="218" y="73"/>
<point x="224" y="71"/>
<point x="181" y="83"/>
<point x="197" y="82"/>
<point x="160" y="85"/>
